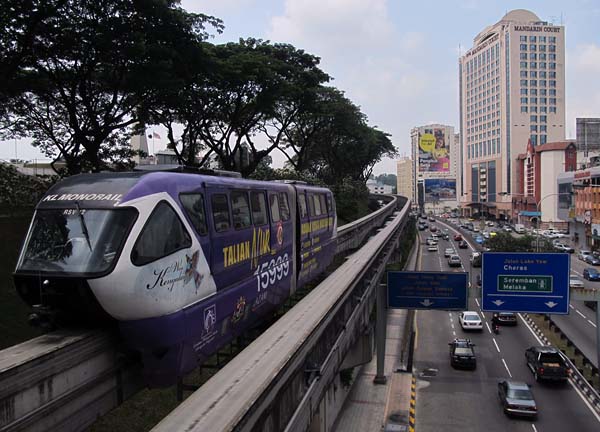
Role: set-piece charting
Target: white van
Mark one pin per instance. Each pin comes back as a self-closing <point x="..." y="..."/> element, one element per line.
<point x="520" y="228"/>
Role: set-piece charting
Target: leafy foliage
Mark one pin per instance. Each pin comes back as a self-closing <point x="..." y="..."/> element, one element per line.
<point x="505" y="242"/>
<point x="19" y="190"/>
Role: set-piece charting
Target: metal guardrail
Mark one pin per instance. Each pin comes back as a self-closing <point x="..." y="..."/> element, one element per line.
<point x="278" y="381"/>
<point x="65" y="380"/>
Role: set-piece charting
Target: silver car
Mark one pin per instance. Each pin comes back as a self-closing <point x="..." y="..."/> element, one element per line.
<point x="517" y="399"/>
<point x="575" y="282"/>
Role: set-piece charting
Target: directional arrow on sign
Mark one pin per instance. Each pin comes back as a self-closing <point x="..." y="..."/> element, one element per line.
<point x="551" y="304"/>
<point x="498" y="302"/>
<point x="426" y="303"/>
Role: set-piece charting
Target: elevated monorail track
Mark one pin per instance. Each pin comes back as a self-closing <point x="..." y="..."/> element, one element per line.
<point x="65" y="380"/>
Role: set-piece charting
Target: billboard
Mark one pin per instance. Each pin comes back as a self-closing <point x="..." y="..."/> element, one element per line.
<point x="440" y="190"/>
<point x="434" y="151"/>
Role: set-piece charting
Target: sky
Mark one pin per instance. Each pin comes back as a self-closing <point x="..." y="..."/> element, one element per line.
<point x="398" y="60"/>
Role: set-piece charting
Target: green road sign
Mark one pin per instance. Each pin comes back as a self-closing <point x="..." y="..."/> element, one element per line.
<point x="524" y="283"/>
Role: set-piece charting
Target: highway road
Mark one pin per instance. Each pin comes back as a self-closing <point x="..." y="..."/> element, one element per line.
<point x="580" y="324"/>
<point x="463" y="400"/>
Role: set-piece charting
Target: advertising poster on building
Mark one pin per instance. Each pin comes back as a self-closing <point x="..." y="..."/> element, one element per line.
<point x="434" y="152"/>
<point x="440" y="190"/>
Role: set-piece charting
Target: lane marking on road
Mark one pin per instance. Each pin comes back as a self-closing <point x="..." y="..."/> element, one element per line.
<point x="580" y="314"/>
<point x="494" y="340"/>
<point x="488" y="327"/>
<point x="452" y="325"/>
<point x="583" y="398"/>
<point x="534" y="428"/>
<point x="506" y="367"/>
<point x="450" y="313"/>
<point x="571" y="306"/>
<point x="482" y="314"/>
<point x="592" y="323"/>
<point x="453" y="333"/>
<point x="478" y="305"/>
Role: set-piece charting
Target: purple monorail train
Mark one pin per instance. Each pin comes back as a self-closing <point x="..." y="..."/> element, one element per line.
<point x="183" y="262"/>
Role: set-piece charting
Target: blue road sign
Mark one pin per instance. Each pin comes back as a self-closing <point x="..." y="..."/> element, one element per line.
<point x="525" y="282"/>
<point x="427" y="290"/>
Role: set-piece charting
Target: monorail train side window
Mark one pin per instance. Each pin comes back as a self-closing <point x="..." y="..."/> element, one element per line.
<point x="162" y="235"/>
<point x="240" y="209"/>
<point x="220" y="211"/>
<point x="302" y="205"/>
<point x="259" y="208"/>
<point x="274" y="203"/>
<point x="284" y="208"/>
<point x="323" y="204"/>
<point x="317" y="204"/>
<point x="311" y="204"/>
<point x="193" y="205"/>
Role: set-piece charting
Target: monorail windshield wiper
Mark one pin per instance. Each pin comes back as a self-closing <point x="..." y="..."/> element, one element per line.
<point x="83" y="226"/>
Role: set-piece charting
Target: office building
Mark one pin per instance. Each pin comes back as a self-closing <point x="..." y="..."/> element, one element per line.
<point x="404" y="174"/>
<point x="435" y="166"/>
<point x="512" y="91"/>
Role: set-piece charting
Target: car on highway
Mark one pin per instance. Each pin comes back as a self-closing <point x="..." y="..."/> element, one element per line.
<point x="476" y="259"/>
<point x="507" y="318"/>
<point x="470" y="320"/>
<point x="507" y="228"/>
<point x="591" y="274"/>
<point x="486" y="235"/>
<point x="431" y="218"/>
<point x="517" y="399"/>
<point x="575" y="282"/>
<point x="479" y="239"/>
<point x="432" y="228"/>
<point x="431" y="241"/>
<point x="454" y="261"/>
<point x="547" y="363"/>
<point x="448" y="252"/>
<point x="591" y="259"/>
<point x="462" y="354"/>
<point x="422" y="227"/>
<point x="563" y="247"/>
<point x="490" y="223"/>
<point x="457" y="237"/>
<point x="463" y="244"/>
<point x="432" y="248"/>
<point x="583" y="253"/>
<point x="475" y="229"/>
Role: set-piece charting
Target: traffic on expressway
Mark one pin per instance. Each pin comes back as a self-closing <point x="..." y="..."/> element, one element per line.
<point x="470" y="398"/>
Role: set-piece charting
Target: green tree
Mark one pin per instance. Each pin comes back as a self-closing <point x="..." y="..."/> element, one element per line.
<point x="89" y="68"/>
<point x="505" y="242"/>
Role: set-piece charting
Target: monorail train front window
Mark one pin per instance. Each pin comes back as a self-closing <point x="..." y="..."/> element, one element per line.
<point x="75" y="240"/>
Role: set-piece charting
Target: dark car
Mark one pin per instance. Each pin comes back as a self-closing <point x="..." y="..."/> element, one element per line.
<point x="591" y="259"/>
<point x="422" y="227"/>
<point x="431" y="218"/>
<point x="463" y="244"/>
<point x="517" y="399"/>
<point x="506" y="318"/>
<point x="547" y="363"/>
<point x="591" y="274"/>
<point x="462" y="354"/>
<point x="432" y="228"/>
<point x="458" y="237"/>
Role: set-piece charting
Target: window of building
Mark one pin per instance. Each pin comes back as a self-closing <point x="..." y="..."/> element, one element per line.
<point x="543" y="101"/>
<point x="523" y="56"/>
<point x="552" y="65"/>
<point x="522" y="38"/>
<point x="532" y="47"/>
<point x="523" y="74"/>
<point x="542" y="39"/>
<point x="543" y="119"/>
<point x="551" y="74"/>
<point x="552" y="92"/>
<point x="533" y="74"/>
<point x="533" y="83"/>
<point x="542" y="92"/>
<point x="524" y="100"/>
<point x="258" y="205"/>
<point x="552" y="48"/>
<point x="533" y="139"/>
<point x="162" y="235"/>
<point x="533" y="92"/>
<point x="533" y="65"/>
<point x="542" y="47"/>
<point x="542" y="109"/>
<point x="523" y="65"/>
<point x="542" y="83"/>
<point x="543" y="128"/>
<point x="552" y="101"/>
<point x="533" y="100"/>
<point x="542" y="65"/>
<point x="552" y="56"/>
<point x="552" y="83"/>
<point x="543" y="139"/>
<point x="532" y="38"/>
<point x="533" y="109"/>
<point x="553" y="110"/>
<point x="542" y="74"/>
<point x="533" y="118"/>
<point x="542" y="56"/>
<point x="524" y="91"/>
<point x="193" y="205"/>
<point x="532" y="56"/>
<point x="523" y="47"/>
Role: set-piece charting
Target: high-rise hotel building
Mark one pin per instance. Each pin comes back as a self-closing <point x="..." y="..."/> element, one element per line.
<point x="512" y="90"/>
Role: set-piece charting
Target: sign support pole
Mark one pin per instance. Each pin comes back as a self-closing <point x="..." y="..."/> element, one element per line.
<point x="380" y="332"/>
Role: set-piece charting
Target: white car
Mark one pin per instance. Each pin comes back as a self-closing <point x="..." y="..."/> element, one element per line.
<point x="583" y="253"/>
<point x="448" y="252"/>
<point x="432" y="248"/>
<point x="470" y="320"/>
<point x="575" y="282"/>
